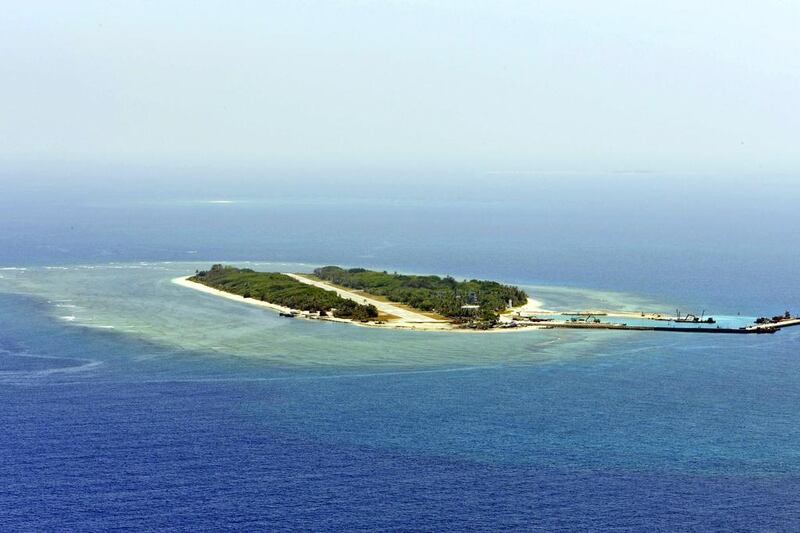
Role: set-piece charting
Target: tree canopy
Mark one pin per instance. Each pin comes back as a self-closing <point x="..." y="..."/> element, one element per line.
<point x="445" y="296"/>
<point x="282" y="290"/>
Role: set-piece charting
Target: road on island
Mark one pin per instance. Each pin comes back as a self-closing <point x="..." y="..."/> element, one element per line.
<point x="404" y="315"/>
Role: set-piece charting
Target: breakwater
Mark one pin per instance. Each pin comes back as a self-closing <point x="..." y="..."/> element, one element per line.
<point x="755" y="329"/>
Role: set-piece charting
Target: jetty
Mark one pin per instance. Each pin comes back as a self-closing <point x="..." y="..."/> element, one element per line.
<point x="762" y="326"/>
<point x="432" y="303"/>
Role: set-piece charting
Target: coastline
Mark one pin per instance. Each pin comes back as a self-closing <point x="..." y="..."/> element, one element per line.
<point x="407" y="320"/>
<point x="531" y="306"/>
<point x="514" y="319"/>
<point x="183" y="281"/>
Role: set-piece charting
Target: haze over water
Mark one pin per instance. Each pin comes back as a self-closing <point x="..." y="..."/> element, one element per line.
<point x="634" y="156"/>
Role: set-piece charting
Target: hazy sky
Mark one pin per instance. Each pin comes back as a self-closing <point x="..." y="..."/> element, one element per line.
<point x="503" y="86"/>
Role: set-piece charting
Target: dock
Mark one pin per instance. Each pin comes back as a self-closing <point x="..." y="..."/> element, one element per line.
<point x="755" y="329"/>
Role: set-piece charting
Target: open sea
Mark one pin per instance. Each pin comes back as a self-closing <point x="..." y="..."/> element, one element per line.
<point x="130" y="403"/>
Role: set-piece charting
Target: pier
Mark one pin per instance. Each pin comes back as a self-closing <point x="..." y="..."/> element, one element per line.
<point x="757" y="329"/>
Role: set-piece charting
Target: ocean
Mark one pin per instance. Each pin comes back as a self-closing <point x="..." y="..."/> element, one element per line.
<point x="131" y="403"/>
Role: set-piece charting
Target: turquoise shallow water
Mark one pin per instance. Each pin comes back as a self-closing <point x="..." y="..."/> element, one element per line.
<point x="720" y="321"/>
<point x="132" y="403"/>
<point x="178" y="410"/>
<point x="139" y="300"/>
<point x="558" y="393"/>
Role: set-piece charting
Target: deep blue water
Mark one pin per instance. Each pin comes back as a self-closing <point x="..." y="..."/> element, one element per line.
<point x="108" y="429"/>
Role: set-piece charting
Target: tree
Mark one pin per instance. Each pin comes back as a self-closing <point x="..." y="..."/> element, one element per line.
<point x="488" y="315"/>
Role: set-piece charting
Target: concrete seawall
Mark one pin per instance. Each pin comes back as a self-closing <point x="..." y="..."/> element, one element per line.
<point x="756" y="329"/>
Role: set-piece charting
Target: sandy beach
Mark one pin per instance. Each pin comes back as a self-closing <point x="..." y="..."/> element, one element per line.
<point x="184" y="282"/>
<point x="406" y="318"/>
<point x="403" y="317"/>
<point x="531" y="307"/>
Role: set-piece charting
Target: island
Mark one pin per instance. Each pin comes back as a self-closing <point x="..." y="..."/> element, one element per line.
<point x="436" y="303"/>
<point x="369" y="297"/>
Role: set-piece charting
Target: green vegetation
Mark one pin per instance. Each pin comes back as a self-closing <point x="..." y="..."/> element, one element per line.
<point x="445" y="296"/>
<point x="281" y="289"/>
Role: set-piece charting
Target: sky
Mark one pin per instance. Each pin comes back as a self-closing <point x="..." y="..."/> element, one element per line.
<point x="501" y="89"/>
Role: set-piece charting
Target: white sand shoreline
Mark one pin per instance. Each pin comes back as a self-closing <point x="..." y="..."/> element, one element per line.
<point x="519" y="318"/>
<point x="408" y="320"/>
